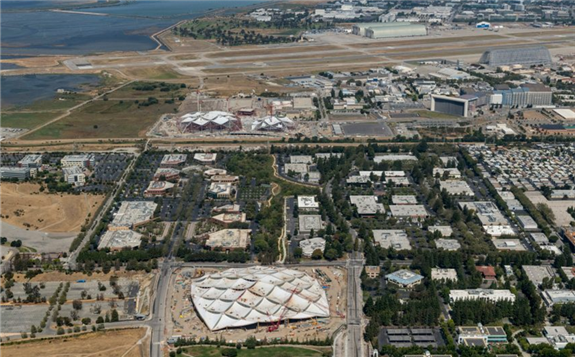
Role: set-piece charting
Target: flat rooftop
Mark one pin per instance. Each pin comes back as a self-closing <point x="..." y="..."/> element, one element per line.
<point x="133" y="212"/>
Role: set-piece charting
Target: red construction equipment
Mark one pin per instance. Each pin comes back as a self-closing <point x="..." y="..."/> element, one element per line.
<point x="275" y="325"/>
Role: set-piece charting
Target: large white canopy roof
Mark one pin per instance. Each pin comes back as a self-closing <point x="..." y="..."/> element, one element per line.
<point x="272" y="123"/>
<point x="246" y="296"/>
<point x="203" y="118"/>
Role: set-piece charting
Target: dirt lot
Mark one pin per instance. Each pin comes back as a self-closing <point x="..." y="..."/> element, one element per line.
<point x="46" y="212"/>
<point x="110" y="343"/>
<point x="559" y="207"/>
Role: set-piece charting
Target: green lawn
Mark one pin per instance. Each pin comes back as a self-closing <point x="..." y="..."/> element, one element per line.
<point x="105" y="119"/>
<point x="26" y="120"/>
<point x="282" y="351"/>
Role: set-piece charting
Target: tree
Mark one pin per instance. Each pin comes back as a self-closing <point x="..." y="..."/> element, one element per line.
<point x="317" y="254"/>
<point x="60" y="331"/>
<point x="331" y="254"/>
<point x="100" y="320"/>
<point x="229" y="352"/>
<point x="86" y="321"/>
<point x="115" y="316"/>
<point x="251" y="343"/>
<point x="77" y="304"/>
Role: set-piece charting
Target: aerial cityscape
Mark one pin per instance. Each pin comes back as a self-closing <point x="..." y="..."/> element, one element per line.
<point x="286" y="178"/>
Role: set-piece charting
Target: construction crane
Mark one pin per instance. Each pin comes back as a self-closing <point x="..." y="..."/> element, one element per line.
<point x="275" y="325"/>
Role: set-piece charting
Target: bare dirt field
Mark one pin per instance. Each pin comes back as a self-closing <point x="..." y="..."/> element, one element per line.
<point x="107" y="343"/>
<point x="24" y="206"/>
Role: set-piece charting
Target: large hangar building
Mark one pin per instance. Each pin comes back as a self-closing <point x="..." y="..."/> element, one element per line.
<point x="389" y="29"/>
<point x="248" y="296"/>
<point x="527" y="56"/>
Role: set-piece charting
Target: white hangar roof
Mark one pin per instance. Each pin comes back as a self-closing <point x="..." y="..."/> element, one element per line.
<point x="246" y="296"/>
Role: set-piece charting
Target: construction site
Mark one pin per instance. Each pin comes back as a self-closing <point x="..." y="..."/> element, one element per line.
<point x="205" y="116"/>
<point x="296" y="317"/>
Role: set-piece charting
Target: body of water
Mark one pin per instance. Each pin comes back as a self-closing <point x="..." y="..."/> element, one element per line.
<point x="127" y="28"/>
<point x="26" y="89"/>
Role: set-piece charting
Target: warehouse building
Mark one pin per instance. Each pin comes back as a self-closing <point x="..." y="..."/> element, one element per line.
<point x="118" y="240"/>
<point x="527" y="223"/>
<point x="408" y="211"/>
<point x="553" y="297"/>
<point x="391" y="238"/>
<point x="132" y="214"/>
<point x="484" y="294"/>
<point x="83" y="160"/>
<point x="445" y="231"/>
<point x="389" y="30"/>
<point x="536" y="95"/>
<point x="463" y="106"/>
<point x="20" y="173"/>
<point x="527" y="56"/>
<point x="447" y="244"/>
<point x="31" y="161"/>
<point x="309" y="222"/>
<point x="456" y="188"/>
<point x="443" y="274"/>
<point x="404" y="199"/>
<point x="229" y="239"/>
<point x="366" y="205"/>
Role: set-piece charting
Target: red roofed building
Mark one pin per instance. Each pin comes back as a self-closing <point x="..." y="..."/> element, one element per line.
<point x="487" y="272"/>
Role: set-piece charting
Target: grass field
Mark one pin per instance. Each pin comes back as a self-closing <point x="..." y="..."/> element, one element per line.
<point x="134" y="90"/>
<point x="283" y="351"/>
<point x="110" y="344"/>
<point x="105" y="119"/>
<point x="26" y="120"/>
<point x="23" y="204"/>
<point x="68" y="101"/>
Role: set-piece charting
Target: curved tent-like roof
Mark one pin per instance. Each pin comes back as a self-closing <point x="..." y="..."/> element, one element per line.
<point x="272" y="123"/>
<point x="214" y="120"/>
<point x="246" y="296"/>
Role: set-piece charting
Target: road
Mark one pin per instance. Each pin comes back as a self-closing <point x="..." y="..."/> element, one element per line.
<point x="104" y="209"/>
<point x="354" y="343"/>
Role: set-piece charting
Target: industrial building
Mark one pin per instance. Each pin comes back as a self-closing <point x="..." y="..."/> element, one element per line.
<point x="408" y="211"/>
<point x="443" y="274"/>
<point x="74" y="175"/>
<point x="229" y="239"/>
<point x="536" y="95"/>
<point x="404" y="199"/>
<point x="404" y="278"/>
<point x="447" y="244"/>
<point x="389" y="29"/>
<point x="456" y="188"/>
<point x="307" y="203"/>
<point x="391" y="238"/>
<point x="20" y="173"/>
<point x="552" y="297"/>
<point x="451" y="173"/>
<point x="477" y="294"/>
<point x="308" y="246"/>
<point x="445" y="231"/>
<point x="210" y="121"/>
<point x="301" y="159"/>
<point x="118" y="240"/>
<point x="393" y="157"/>
<point x="526" y="222"/>
<point x="132" y="214"/>
<point x="492" y="220"/>
<point x="297" y="168"/>
<point x="309" y="222"/>
<point x="527" y="56"/>
<point x="537" y="273"/>
<point x="173" y="160"/>
<point x="463" y="106"/>
<point x="366" y="205"/>
<point x="82" y="160"/>
<point x="257" y="295"/>
<point x="481" y="335"/>
<point x="31" y="161"/>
